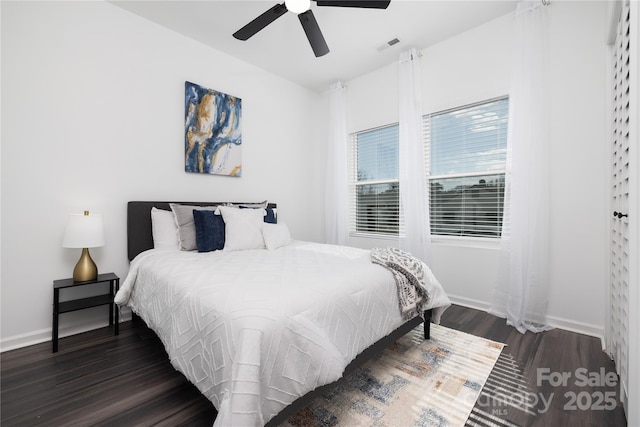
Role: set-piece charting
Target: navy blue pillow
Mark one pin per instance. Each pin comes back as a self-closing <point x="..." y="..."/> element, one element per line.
<point x="209" y="230"/>
<point x="271" y="216"/>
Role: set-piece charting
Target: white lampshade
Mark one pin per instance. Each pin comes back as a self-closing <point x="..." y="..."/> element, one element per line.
<point x="84" y="231"/>
<point x="297" y="6"/>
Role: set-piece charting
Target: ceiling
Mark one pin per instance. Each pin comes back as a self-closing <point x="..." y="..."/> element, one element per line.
<point x="357" y="38"/>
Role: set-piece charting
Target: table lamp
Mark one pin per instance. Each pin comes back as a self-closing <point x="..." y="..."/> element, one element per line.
<point x="84" y="231"/>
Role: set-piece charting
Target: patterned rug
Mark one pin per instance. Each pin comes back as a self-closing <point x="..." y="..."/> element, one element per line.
<point x="414" y="382"/>
<point x="505" y="392"/>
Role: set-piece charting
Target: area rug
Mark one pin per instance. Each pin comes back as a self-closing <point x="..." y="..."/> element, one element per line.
<point x="414" y="382"/>
<point x="504" y="396"/>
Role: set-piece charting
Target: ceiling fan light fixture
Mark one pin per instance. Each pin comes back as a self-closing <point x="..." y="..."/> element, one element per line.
<point x="297" y="6"/>
<point x="309" y="23"/>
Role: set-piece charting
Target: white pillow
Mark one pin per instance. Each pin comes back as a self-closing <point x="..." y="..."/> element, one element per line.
<point x="276" y="235"/>
<point x="242" y="228"/>
<point x="164" y="229"/>
<point x="183" y="217"/>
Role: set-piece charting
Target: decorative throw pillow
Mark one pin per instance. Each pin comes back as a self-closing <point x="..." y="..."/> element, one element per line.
<point x="209" y="230"/>
<point x="276" y="235"/>
<point x="186" y="227"/>
<point x="271" y="216"/>
<point x="243" y="228"/>
<point x="164" y="229"/>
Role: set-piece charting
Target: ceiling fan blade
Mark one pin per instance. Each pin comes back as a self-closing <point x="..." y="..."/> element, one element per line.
<point x="311" y="28"/>
<point x="368" y="4"/>
<point x="260" y="22"/>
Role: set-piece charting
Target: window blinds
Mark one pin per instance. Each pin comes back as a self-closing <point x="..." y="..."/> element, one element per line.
<point x="375" y="196"/>
<point x="465" y="151"/>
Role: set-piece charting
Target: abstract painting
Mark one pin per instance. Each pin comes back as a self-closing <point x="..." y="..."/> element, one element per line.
<point x="213" y="132"/>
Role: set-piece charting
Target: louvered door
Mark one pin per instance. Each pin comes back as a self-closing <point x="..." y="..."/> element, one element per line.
<point x="618" y="333"/>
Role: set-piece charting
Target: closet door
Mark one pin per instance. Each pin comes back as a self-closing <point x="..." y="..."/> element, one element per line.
<point x="618" y="325"/>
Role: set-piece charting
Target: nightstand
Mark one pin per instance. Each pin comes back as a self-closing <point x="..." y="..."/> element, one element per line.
<point x="82" y="303"/>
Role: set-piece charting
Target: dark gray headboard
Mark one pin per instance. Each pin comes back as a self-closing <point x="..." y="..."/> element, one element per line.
<point x="139" y="235"/>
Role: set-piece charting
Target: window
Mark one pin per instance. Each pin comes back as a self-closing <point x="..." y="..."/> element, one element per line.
<point x="466" y="152"/>
<point x="375" y="196"/>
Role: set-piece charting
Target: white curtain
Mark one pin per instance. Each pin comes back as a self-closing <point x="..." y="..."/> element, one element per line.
<point x="336" y="188"/>
<point x="522" y="292"/>
<point x="414" y="205"/>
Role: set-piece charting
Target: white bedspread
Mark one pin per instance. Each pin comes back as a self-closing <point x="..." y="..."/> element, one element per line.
<point x="254" y="330"/>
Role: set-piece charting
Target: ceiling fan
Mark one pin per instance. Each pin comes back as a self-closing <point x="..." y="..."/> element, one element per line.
<point x="308" y="21"/>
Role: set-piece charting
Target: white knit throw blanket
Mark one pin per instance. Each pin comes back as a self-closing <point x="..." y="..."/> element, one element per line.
<point x="408" y="272"/>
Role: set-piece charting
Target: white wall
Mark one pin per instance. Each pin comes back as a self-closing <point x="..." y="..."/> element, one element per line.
<point x="93" y="114"/>
<point x="474" y="66"/>
<point x="580" y="163"/>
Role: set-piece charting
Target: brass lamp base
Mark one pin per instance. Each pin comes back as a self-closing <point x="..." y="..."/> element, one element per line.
<point x="85" y="269"/>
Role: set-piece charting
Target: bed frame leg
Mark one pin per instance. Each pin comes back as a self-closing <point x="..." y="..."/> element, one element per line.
<point x="427" y="324"/>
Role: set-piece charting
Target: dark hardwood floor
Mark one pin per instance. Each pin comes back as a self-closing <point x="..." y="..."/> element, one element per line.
<point x="534" y="393"/>
<point x="98" y="379"/>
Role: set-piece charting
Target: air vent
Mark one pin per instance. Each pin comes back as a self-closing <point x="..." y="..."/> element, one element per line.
<point x="388" y="44"/>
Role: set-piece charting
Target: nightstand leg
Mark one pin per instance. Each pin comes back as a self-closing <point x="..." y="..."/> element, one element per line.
<point x="54" y="328"/>
<point x="116" y="309"/>
<point x="111" y="303"/>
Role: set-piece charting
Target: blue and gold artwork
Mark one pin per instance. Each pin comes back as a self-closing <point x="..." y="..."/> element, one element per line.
<point x="212" y="135"/>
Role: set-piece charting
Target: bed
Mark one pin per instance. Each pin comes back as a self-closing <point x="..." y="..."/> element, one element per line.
<point x="261" y="331"/>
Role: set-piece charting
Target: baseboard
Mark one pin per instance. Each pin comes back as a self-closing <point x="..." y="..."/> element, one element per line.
<point x="557" y="322"/>
<point x="44" y="335"/>
<point x="25" y="340"/>
<point x="470" y="303"/>
<point x="578" y="327"/>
